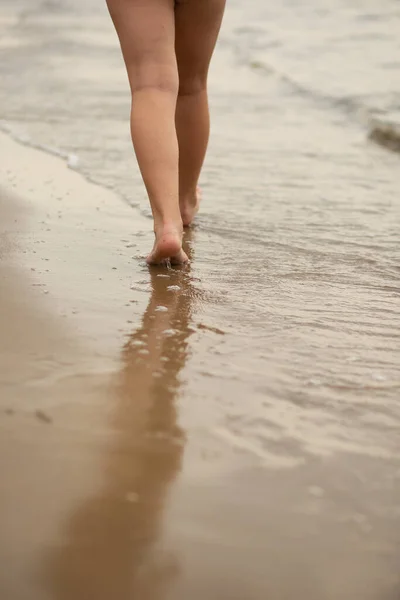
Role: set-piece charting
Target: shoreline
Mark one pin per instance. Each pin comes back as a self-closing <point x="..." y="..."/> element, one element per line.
<point x="138" y="434"/>
<point x="74" y="235"/>
<point x="90" y="373"/>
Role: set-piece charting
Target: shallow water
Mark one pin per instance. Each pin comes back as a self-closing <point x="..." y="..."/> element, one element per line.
<point x="295" y="278"/>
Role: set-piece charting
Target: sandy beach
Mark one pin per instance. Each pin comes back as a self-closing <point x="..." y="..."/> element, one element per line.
<point x="227" y="430"/>
<point x="107" y="491"/>
<point x="87" y="392"/>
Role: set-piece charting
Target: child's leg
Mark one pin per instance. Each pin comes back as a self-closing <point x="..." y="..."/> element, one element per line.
<point x="146" y="31"/>
<point x="197" y="24"/>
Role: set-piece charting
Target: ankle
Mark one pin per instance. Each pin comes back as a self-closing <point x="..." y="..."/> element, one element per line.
<point x="189" y="197"/>
<point x="168" y="226"/>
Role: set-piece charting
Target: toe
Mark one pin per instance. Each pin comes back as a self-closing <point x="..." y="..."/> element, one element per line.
<point x="180" y="259"/>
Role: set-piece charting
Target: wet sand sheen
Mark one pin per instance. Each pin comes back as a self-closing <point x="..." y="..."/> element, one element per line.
<point x="113" y="546"/>
<point x="229" y="430"/>
<point x="73" y="431"/>
<point x="110" y="433"/>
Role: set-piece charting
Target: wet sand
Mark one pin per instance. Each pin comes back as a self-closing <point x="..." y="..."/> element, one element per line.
<point x="230" y="430"/>
<point x="117" y="481"/>
<point x="89" y="433"/>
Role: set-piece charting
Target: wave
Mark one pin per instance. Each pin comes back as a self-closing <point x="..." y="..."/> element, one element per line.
<point x="72" y="160"/>
<point x="386" y="132"/>
<point x="378" y="112"/>
<point x="383" y="129"/>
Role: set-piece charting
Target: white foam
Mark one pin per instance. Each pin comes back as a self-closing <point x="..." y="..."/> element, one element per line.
<point x="161" y="309"/>
<point x="72" y="161"/>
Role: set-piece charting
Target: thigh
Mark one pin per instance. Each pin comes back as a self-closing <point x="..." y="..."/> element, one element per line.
<point x="146" y="31"/>
<point x="197" y="24"/>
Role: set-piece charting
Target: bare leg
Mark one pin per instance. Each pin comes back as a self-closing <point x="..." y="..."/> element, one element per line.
<point x="146" y="30"/>
<point x="197" y="24"/>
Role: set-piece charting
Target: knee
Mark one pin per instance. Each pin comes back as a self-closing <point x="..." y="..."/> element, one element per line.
<point x="190" y="86"/>
<point x="154" y="77"/>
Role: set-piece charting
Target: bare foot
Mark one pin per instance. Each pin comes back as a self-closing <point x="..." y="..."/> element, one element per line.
<point x="190" y="207"/>
<point x="167" y="246"/>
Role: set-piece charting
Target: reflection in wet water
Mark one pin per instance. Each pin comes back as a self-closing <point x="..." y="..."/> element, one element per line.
<point x="113" y="542"/>
<point x="295" y="370"/>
